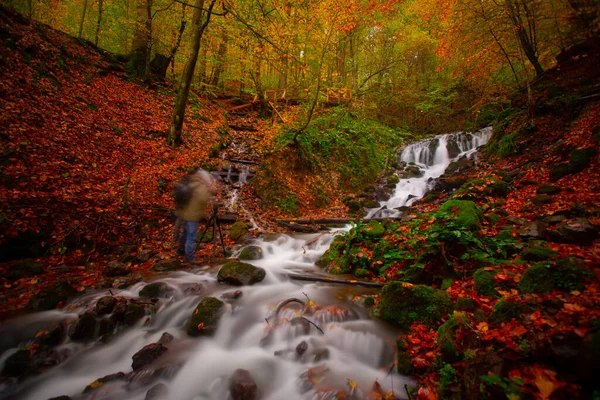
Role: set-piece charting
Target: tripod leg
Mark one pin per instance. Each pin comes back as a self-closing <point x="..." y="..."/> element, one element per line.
<point x="203" y="233"/>
<point x="222" y="243"/>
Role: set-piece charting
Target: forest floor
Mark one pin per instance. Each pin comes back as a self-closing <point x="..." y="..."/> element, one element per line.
<point x="86" y="179"/>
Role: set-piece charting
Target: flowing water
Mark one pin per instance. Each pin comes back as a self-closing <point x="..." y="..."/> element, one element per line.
<point x="340" y="346"/>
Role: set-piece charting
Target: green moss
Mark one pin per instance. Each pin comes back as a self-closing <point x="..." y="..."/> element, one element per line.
<point x="465" y="213"/>
<point x="370" y="204"/>
<point x="369" y="301"/>
<point x="541" y="199"/>
<point x="24" y="269"/>
<point x="446" y="283"/>
<point x="505" y="310"/>
<point x="548" y="189"/>
<point x="374" y="230"/>
<point x="362" y="273"/>
<point x="563" y="275"/>
<point x="205" y="317"/>
<point x="154" y="289"/>
<point x="465" y="304"/>
<point x="484" y="282"/>
<point x="497" y="189"/>
<point x="538" y="253"/>
<point x="559" y="171"/>
<point x="238" y="230"/>
<point x="134" y="313"/>
<point x="238" y="273"/>
<point x="404" y="362"/>
<point x="393" y="180"/>
<point x="405" y="305"/>
<point x="446" y="338"/>
<point x="492" y="218"/>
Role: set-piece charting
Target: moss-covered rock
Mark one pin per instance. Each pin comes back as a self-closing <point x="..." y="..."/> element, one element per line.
<point x="133" y="313"/>
<point x="581" y="158"/>
<point x="497" y="189"/>
<point x="392" y="181"/>
<point x="538" y="253"/>
<point x="559" y="171"/>
<point x="362" y="273"/>
<point x="155" y="289"/>
<point x="251" y="253"/>
<point x="563" y="275"/>
<point x="446" y="338"/>
<point x="353" y="205"/>
<point x="205" y="318"/>
<point x="50" y="297"/>
<point x="374" y="230"/>
<point x="484" y="282"/>
<point x="464" y="213"/>
<point x="541" y="199"/>
<point x="238" y="230"/>
<point x="505" y="310"/>
<point x="403" y="304"/>
<point x="167" y="265"/>
<point x="466" y="304"/>
<point x="85" y="328"/>
<point x="24" y="269"/>
<point x="404" y="361"/>
<point x="105" y="305"/>
<point x="548" y="189"/>
<point x="237" y="273"/>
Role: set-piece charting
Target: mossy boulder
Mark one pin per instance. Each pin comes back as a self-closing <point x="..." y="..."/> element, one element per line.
<point x="505" y="310"/>
<point x="484" y="282"/>
<point x="238" y="230"/>
<point x="105" y="305"/>
<point x="392" y="181"/>
<point x="205" y="318"/>
<point x="370" y="203"/>
<point x="50" y="297"/>
<point x="581" y="159"/>
<point x="237" y="273"/>
<point x="172" y="264"/>
<point x="155" y="289"/>
<point x="403" y="304"/>
<point x="251" y="253"/>
<point x="563" y="275"/>
<point x="374" y="230"/>
<point x="466" y="304"/>
<point x="24" y="269"/>
<point x="548" y="189"/>
<point x="404" y="361"/>
<point x="497" y="189"/>
<point x="541" y="199"/>
<point x="133" y="313"/>
<point x="446" y="338"/>
<point x="465" y="213"/>
<point x="85" y="328"/>
<point x="538" y="253"/>
<point x="459" y="165"/>
<point x="559" y="171"/>
<point x="116" y="268"/>
<point x="412" y="171"/>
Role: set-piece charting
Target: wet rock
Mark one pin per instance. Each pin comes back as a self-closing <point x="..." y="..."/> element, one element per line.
<point x="404" y="361"/>
<point x="157" y="392"/>
<point x="120" y="310"/>
<point x="147" y="355"/>
<point x="412" y="171"/>
<point x="116" y="268"/>
<point x="134" y="313"/>
<point x="156" y="289"/>
<point x="49" y="298"/>
<point x="578" y="231"/>
<point x="548" y="189"/>
<point x="251" y="253"/>
<point x="321" y="354"/>
<point x="238" y="230"/>
<point x="52" y="337"/>
<point x="383" y="193"/>
<point x="166" y="338"/>
<point x="238" y="273"/>
<point x="234" y="295"/>
<point x="106" y="326"/>
<point x="459" y="165"/>
<point x="392" y="181"/>
<point x="24" y="269"/>
<point x="125" y="282"/>
<point x="405" y="305"/>
<point x="167" y="265"/>
<point x="98" y="383"/>
<point x="242" y="386"/>
<point x="26" y="362"/>
<point x="452" y="147"/>
<point x="301" y="348"/>
<point x="542" y="199"/>
<point x="105" y="305"/>
<point x="533" y="230"/>
<point x="205" y="318"/>
<point x="85" y="328"/>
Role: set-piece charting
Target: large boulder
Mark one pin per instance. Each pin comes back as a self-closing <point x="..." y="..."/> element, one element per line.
<point x="464" y="213"/>
<point x="404" y="304"/>
<point x="563" y="275"/>
<point x="85" y="327"/>
<point x="578" y="231"/>
<point x="105" y="305"/>
<point x="251" y="253"/>
<point x="205" y="318"/>
<point x="242" y="386"/>
<point x="156" y="289"/>
<point x="238" y="230"/>
<point x="52" y="296"/>
<point x="239" y="273"/>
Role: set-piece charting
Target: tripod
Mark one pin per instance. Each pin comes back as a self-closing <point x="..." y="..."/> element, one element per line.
<point x="213" y="222"/>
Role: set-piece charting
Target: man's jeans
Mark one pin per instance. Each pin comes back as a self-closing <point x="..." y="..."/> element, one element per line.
<point x="187" y="239"/>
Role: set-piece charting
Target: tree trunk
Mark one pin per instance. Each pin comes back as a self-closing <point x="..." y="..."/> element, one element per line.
<point x="141" y="37"/>
<point x="178" y="40"/>
<point x="527" y="40"/>
<point x="99" y="22"/>
<point x="220" y="67"/>
<point x="199" y="24"/>
<point x="587" y="12"/>
<point x="148" y="26"/>
<point x="85" y="4"/>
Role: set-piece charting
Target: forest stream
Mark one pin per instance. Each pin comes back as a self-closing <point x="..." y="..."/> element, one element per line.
<point x="297" y="340"/>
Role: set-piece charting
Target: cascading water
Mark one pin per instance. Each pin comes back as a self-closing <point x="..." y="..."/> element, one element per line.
<point x="431" y="157"/>
<point x="340" y="343"/>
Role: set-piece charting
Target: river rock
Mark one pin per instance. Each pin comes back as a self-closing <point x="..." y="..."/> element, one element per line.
<point x="98" y="383"/>
<point x="172" y="264"/>
<point x="533" y="230"/>
<point x="85" y="328"/>
<point x="251" y="253"/>
<point x="541" y="199"/>
<point x="105" y="305"/>
<point x="50" y="297"/>
<point x="578" y="231"/>
<point x="459" y="165"/>
<point x="51" y="337"/>
<point x="147" y="355"/>
<point x="116" y="268"/>
<point x="238" y="230"/>
<point x="238" y="273"/>
<point x="412" y="171"/>
<point x="243" y="386"/>
<point x="25" y="362"/>
<point x="205" y="318"/>
<point x="156" y="289"/>
<point x="166" y="338"/>
<point x="133" y="314"/>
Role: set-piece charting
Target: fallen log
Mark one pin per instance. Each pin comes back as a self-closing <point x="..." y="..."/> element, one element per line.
<point x="350" y="282"/>
<point x="299" y="227"/>
<point x="237" y="160"/>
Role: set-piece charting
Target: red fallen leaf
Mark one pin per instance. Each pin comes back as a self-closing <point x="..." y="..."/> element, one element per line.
<point x="427" y="393"/>
<point x="545" y="381"/>
<point x="419" y="362"/>
<point x="581" y="332"/>
<point x="518" y="330"/>
<point x="200" y="326"/>
<point x="573" y="307"/>
<point x="413" y="340"/>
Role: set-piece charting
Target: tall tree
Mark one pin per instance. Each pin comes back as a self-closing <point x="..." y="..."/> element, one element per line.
<point x="99" y="21"/>
<point x="199" y="23"/>
<point x="82" y="20"/>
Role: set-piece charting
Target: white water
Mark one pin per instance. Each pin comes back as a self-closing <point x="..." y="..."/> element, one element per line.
<point x="359" y="348"/>
<point x="433" y="165"/>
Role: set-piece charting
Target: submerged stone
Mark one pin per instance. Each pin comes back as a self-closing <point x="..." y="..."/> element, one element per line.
<point x="147" y="355"/>
<point x="205" y="318"/>
<point x="238" y="273"/>
<point x="251" y="253"/>
<point x="155" y="289"/>
<point x="242" y="386"/>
